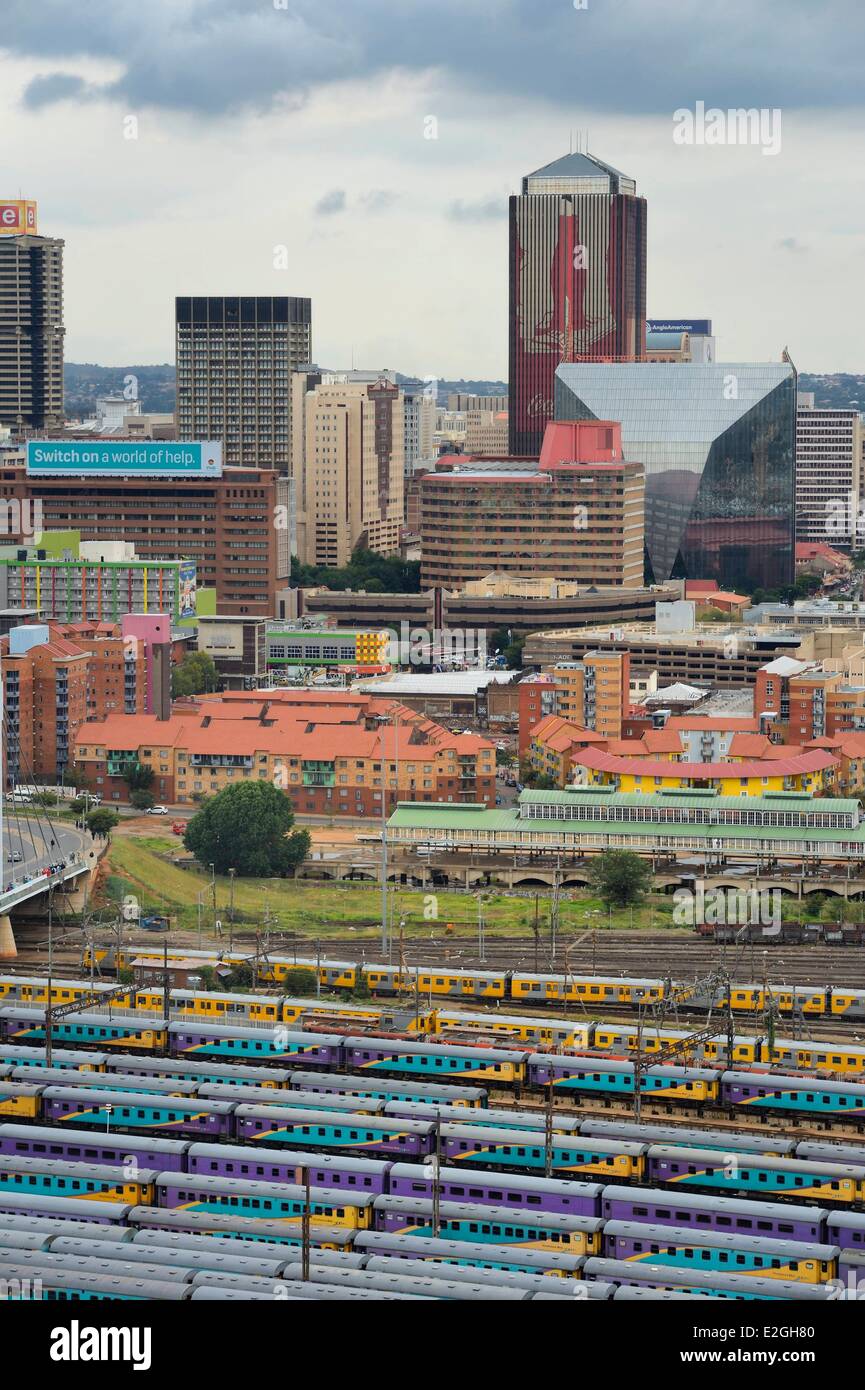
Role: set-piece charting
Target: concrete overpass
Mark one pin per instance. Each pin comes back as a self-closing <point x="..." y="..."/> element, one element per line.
<point x="35" y="862"/>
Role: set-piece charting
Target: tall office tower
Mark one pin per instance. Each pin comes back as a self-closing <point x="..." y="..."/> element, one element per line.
<point x="348" y="447"/>
<point x="31" y="323"/>
<point x="577" y="282"/>
<point x="828" y="458"/>
<point x="235" y="356"/>
<point x="718" y="443"/>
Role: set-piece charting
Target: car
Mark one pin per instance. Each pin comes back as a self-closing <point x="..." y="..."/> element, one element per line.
<point x="14" y="857"/>
<point x="156" y="811"/>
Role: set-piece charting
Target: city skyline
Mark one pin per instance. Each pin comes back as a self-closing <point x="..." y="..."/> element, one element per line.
<point x="178" y="158"/>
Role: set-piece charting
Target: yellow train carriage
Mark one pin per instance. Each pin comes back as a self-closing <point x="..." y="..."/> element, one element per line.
<point x="214" y="1006"/>
<point x="756" y="999"/>
<point x="842" y="1057"/>
<point x="20" y="1101"/>
<point x="332" y="974"/>
<point x="32" y="991"/>
<point x="470" y="984"/>
<point x="540" y="1032"/>
<point x="590" y="989"/>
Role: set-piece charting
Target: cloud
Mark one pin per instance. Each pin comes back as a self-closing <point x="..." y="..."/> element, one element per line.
<point x="214" y="56"/>
<point x="331" y="204"/>
<point x="54" y="87"/>
<point x="790" y="243"/>
<point x="378" y="200"/>
<point x="484" y="210"/>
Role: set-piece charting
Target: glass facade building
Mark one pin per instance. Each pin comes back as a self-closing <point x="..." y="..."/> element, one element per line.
<point x="718" y="444"/>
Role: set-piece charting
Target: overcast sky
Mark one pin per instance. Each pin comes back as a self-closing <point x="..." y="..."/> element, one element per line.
<point x="291" y="133"/>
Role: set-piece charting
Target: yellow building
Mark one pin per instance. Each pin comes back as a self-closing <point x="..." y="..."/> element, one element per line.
<point x="811" y="771"/>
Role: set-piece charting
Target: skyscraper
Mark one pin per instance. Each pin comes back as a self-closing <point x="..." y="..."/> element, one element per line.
<point x="235" y="357"/>
<point x="577" y="282"/>
<point x="31" y="327"/>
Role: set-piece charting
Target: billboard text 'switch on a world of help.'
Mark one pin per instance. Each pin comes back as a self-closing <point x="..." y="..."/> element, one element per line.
<point x="101" y="458"/>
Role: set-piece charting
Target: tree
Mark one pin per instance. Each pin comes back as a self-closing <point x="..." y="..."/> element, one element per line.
<point x="141" y="800"/>
<point x="299" y="981"/>
<point x="102" y="821"/>
<point x="509" y="646"/>
<point x="196" y="675"/>
<point x="620" y="877"/>
<point x="537" y="781"/>
<point x="137" y="777"/>
<point x="246" y="828"/>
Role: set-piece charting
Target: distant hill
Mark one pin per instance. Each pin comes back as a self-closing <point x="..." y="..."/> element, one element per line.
<point x="84" y="381"/>
<point x="835" y="390"/>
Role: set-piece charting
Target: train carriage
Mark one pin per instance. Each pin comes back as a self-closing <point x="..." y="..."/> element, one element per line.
<point x="82" y="1146"/>
<point x="712" y="1171"/>
<point x="724" y="1285"/>
<point x="245" y="1230"/>
<point x="103" y="1081"/>
<point x="591" y="989"/>
<point x="493" y="1149"/>
<point x="607" y="1076"/>
<point x="22" y="1025"/>
<point x="503" y="1190"/>
<point x="847" y="1003"/>
<point x="19" y="1101"/>
<point x="268" y="1201"/>
<point x="187" y="1069"/>
<point x="254" y="1044"/>
<point x="138" y="1112"/>
<point x="736" y="1254"/>
<point x="573" y="1235"/>
<point x="728" y="1141"/>
<point x="283" y="1165"/>
<point x="771" y="1091"/>
<point x="498" y="1066"/>
<point x="538" y="1032"/>
<point x="478" y="1254"/>
<point x="213" y="1006"/>
<point x="312" y="1129"/>
<point x="840" y="1056"/>
<point x="744" y="1216"/>
<point x="20" y="1055"/>
<point x="88" y="1181"/>
<point x="378" y="1088"/>
<point x="57" y="1285"/>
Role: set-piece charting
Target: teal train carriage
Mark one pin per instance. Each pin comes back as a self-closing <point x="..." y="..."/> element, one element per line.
<point x="496" y="1066"/>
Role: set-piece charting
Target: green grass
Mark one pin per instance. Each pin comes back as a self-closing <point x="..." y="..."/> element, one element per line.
<point x="142" y="865"/>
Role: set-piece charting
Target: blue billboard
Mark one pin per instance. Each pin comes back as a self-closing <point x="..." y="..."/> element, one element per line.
<point x="698" y="326"/>
<point x="123" y="458"/>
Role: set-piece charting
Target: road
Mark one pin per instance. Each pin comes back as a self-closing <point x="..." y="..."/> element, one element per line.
<point x="39" y="843"/>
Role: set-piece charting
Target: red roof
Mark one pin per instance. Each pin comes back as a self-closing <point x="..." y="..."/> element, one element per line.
<point x="790" y="766"/>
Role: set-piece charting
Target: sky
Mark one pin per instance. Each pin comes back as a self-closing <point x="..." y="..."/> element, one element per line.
<point x="361" y="152"/>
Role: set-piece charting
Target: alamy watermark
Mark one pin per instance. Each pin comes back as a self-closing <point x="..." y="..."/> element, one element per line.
<point x="735" y="126"/>
<point x="749" y="907"/>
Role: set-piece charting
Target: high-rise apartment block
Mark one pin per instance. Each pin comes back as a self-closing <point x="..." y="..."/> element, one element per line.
<point x="235" y="357"/>
<point x="828" y="464"/>
<point x="31" y="323"/>
<point x="577" y="282"/>
<point x="347" y="465"/>
<point x="575" y="513"/>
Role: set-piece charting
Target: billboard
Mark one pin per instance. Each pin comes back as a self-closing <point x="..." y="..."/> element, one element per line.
<point x="701" y="327"/>
<point x="123" y="458"/>
<point x="186" y="581"/>
<point x="17" y="216"/>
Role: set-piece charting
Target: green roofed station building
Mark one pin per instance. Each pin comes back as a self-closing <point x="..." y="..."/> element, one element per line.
<point x="666" y="825"/>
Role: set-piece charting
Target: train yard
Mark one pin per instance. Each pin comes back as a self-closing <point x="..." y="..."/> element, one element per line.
<point x="435" y="1129"/>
